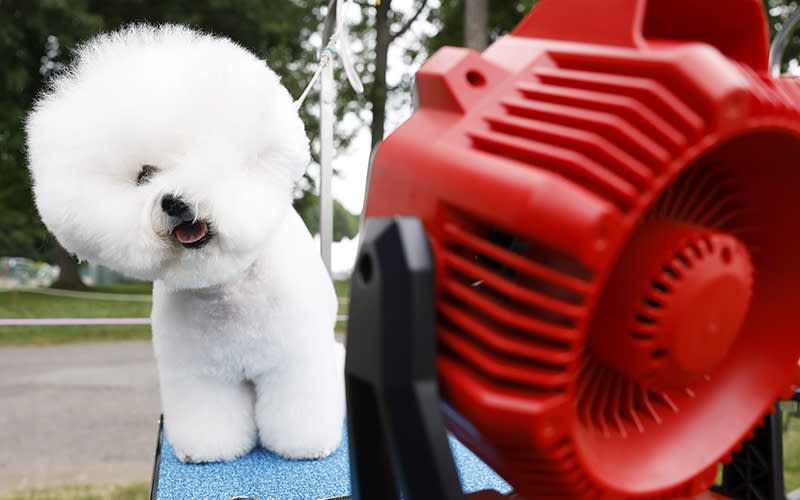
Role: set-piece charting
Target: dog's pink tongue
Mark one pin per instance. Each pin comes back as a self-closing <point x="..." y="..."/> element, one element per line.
<point x="191" y="232"/>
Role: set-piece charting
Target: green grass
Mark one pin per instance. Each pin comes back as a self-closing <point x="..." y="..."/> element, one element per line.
<point x="49" y="335"/>
<point x="21" y="304"/>
<point x="342" y="289"/>
<point x="138" y="287"/>
<point x="129" y="491"/>
<point x="791" y="454"/>
<point x="343" y="293"/>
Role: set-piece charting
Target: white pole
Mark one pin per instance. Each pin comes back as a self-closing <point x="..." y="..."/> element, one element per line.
<point x="327" y="98"/>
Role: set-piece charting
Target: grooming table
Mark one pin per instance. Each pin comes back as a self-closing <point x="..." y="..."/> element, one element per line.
<point x="265" y="476"/>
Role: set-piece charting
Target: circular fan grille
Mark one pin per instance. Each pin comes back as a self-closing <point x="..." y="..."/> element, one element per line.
<point x="702" y="202"/>
<point x="669" y="314"/>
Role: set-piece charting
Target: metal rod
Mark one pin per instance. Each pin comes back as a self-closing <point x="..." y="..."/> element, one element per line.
<point x="780" y="42"/>
<point x="326" y="120"/>
<point x="327" y="97"/>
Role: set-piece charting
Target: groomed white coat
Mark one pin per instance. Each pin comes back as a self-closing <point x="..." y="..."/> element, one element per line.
<point x="171" y="155"/>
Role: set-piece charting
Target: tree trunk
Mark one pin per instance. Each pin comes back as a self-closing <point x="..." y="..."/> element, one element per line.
<point x="68" y="278"/>
<point x="377" y="95"/>
<point x="476" y="24"/>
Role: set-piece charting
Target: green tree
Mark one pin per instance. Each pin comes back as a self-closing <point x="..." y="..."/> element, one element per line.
<point x="449" y="19"/>
<point x="28" y="52"/>
<point x="345" y="224"/>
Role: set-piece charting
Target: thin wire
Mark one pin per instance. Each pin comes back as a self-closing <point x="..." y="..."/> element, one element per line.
<point x="324" y="60"/>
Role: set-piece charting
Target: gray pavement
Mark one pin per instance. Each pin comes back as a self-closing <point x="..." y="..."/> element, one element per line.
<point x="77" y="413"/>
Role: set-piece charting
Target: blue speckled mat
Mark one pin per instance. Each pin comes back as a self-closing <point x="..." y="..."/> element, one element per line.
<point x="265" y="476"/>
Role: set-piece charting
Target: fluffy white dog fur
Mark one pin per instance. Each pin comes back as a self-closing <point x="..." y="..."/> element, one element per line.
<point x="171" y="155"/>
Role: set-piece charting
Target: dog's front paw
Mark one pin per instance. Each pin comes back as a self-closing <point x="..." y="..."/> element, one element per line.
<point x="196" y="448"/>
<point x="308" y="438"/>
<point x="207" y="420"/>
<point x="210" y="433"/>
<point x="304" y="452"/>
<point x="186" y="458"/>
<point x="300" y="439"/>
<point x="205" y="457"/>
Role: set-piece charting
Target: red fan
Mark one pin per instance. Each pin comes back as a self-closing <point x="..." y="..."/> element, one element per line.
<point x="610" y="194"/>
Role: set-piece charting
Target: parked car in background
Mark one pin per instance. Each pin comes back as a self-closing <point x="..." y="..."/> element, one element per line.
<point x="21" y="271"/>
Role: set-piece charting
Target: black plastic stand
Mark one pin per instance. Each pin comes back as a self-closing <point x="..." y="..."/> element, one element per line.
<point x="398" y="443"/>
<point x="756" y="471"/>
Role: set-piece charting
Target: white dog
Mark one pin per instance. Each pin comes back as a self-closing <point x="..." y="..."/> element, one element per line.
<point x="171" y="155"/>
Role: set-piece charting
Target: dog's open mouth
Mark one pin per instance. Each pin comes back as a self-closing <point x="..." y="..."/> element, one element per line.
<point x="192" y="234"/>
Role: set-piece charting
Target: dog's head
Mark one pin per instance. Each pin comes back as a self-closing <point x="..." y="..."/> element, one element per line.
<point x="165" y="154"/>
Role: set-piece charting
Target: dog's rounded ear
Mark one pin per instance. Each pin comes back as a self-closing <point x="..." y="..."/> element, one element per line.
<point x="287" y="145"/>
<point x="301" y="166"/>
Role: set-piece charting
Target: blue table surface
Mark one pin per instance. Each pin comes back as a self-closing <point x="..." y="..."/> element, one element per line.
<point x="265" y="476"/>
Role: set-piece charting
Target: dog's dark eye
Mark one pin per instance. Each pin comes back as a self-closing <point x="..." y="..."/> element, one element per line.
<point x="145" y="174"/>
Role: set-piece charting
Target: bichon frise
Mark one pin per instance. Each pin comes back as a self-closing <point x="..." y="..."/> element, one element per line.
<point x="171" y="155"/>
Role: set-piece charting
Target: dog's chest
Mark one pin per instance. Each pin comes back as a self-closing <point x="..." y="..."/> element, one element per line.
<point x="237" y="330"/>
<point x="230" y="315"/>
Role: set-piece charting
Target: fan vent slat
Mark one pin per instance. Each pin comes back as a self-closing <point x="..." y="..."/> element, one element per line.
<point x="500" y="313"/>
<point x="589" y="143"/>
<point x="649" y="91"/>
<point x="629" y="108"/>
<point x="567" y="162"/>
<point x="504" y="367"/>
<point x="562" y="281"/>
<point x="483" y="278"/>
<point x="613" y="128"/>
<point x="498" y="338"/>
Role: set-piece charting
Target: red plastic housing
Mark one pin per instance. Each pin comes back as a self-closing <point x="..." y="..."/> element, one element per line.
<point x="611" y="194"/>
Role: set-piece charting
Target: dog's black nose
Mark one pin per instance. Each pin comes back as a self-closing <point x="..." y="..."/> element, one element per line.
<point x="176" y="207"/>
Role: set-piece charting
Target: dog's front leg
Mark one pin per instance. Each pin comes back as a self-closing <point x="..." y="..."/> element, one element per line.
<point x="300" y="406"/>
<point x="207" y="419"/>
